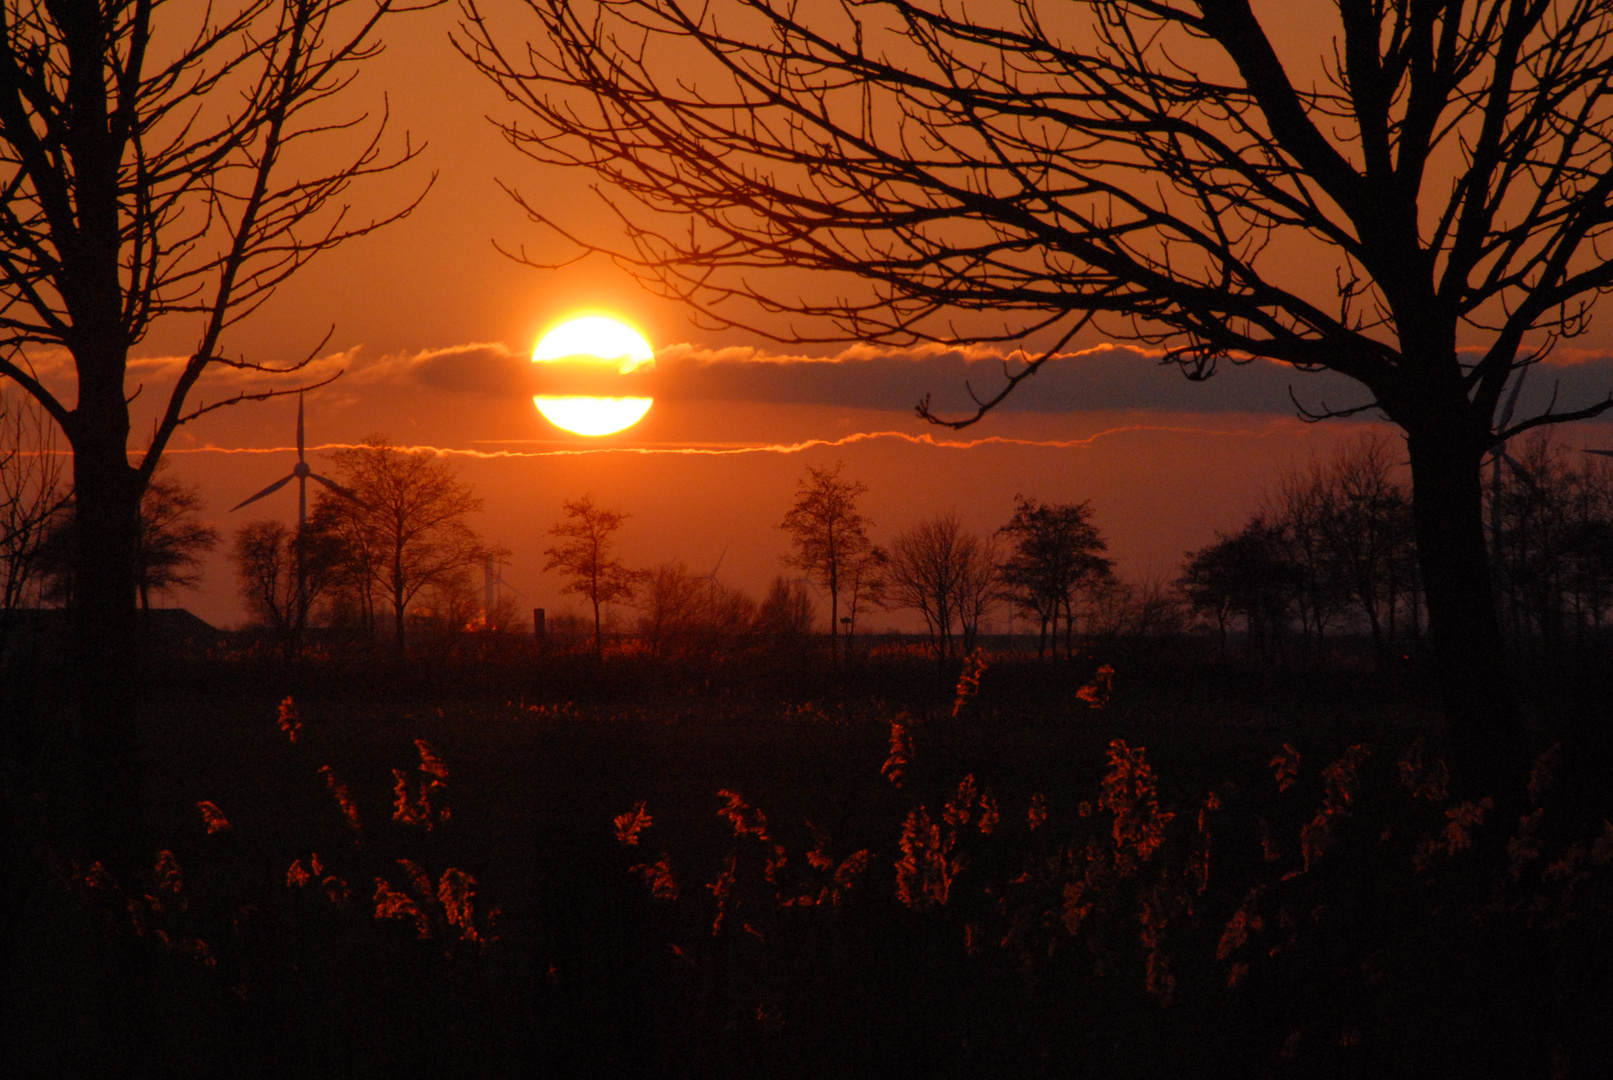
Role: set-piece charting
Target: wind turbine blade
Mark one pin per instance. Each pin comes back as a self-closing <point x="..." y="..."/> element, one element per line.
<point x="337" y="488"/>
<point x="720" y="558"/>
<point x="299" y="428"/>
<point x="1604" y="453"/>
<point x="270" y="490"/>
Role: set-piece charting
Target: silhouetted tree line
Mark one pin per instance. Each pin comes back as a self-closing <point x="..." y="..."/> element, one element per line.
<point x="1551" y="515"/>
<point x="1330" y="553"/>
<point x="1048" y="564"/>
<point x="391" y="547"/>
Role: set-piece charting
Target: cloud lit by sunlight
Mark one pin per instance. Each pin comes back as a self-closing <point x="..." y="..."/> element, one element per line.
<point x="556" y="448"/>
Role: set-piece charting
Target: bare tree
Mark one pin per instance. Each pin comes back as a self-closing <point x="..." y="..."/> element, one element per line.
<point x="1304" y="503"/>
<point x="934" y="570"/>
<point x="1208" y="584"/>
<point x="159" y="176"/>
<point x="355" y="576"/>
<point x="1345" y="523"/>
<point x="1067" y="165"/>
<point x="31" y="496"/>
<point x="406" y="521"/>
<point x="586" y="559"/>
<point x="1251" y="574"/>
<point x="1368" y="532"/>
<point x="867" y="582"/>
<point x="1147" y="607"/>
<point x="979" y="586"/>
<point x="786" y="613"/>
<point x="172" y="540"/>
<point x="1553" y="521"/>
<point x="673" y="602"/>
<point x="1055" y="552"/>
<point x="282" y="575"/>
<point x="830" y="536"/>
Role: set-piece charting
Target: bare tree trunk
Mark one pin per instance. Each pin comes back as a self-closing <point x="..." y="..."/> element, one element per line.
<point x="599" y="639"/>
<point x="1394" y="599"/>
<point x="1374" y="624"/>
<point x="1474" y="683"/>
<point x="397" y="608"/>
<point x="105" y="629"/>
<point x="105" y="624"/>
<point x="834" y="615"/>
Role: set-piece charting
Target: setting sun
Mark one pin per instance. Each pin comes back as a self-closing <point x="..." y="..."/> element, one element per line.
<point x="604" y="353"/>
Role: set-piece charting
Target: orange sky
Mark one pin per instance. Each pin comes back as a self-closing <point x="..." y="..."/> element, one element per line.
<point x="432" y="326"/>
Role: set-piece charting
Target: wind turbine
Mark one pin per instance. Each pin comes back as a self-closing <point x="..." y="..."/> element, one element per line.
<point x="492" y="578"/>
<point x="302" y="474"/>
<point x="711" y="581"/>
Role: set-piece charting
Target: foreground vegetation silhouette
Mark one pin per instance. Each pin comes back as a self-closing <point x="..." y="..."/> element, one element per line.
<point x="534" y="863"/>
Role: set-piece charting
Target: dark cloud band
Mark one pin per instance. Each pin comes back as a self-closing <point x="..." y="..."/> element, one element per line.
<point x="1117" y="378"/>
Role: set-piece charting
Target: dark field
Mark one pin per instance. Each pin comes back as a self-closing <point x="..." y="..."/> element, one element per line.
<point x="1328" y="912"/>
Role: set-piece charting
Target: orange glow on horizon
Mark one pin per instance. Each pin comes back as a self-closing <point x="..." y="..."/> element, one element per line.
<point x="601" y="340"/>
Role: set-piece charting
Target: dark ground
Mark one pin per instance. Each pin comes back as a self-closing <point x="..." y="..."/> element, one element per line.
<point x="1384" y="945"/>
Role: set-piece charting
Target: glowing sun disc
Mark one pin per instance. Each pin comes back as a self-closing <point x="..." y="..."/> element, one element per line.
<point x="605" y="341"/>
<point x="593" y="415"/>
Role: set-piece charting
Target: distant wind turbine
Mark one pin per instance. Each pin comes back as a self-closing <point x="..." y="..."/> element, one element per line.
<point x="492" y="578"/>
<point x="711" y="581"/>
<point x="302" y="474"/>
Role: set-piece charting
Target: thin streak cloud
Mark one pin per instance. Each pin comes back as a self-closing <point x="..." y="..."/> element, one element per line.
<point x="731" y="450"/>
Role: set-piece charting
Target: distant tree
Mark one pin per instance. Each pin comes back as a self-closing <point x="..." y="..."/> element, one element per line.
<point x="1250" y="574"/>
<point x="829" y="535"/>
<point x="355" y="579"/>
<point x="674" y="605"/>
<point x="786" y="614"/>
<point x="1305" y="506"/>
<point x="939" y="570"/>
<point x="405" y="527"/>
<point x="730" y="614"/>
<point x="1553" y="518"/>
<point x="681" y="612"/>
<point x="867" y="582"/>
<point x="32" y="494"/>
<point x="1347" y="529"/>
<point x="586" y="559"/>
<point x="1208" y="584"/>
<point x="269" y="556"/>
<point x="449" y="608"/>
<point x="1149" y="607"/>
<point x="979" y="586"/>
<point x="1369" y="534"/>
<point x="1054" y="552"/>
<point x="172" y="540"/>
